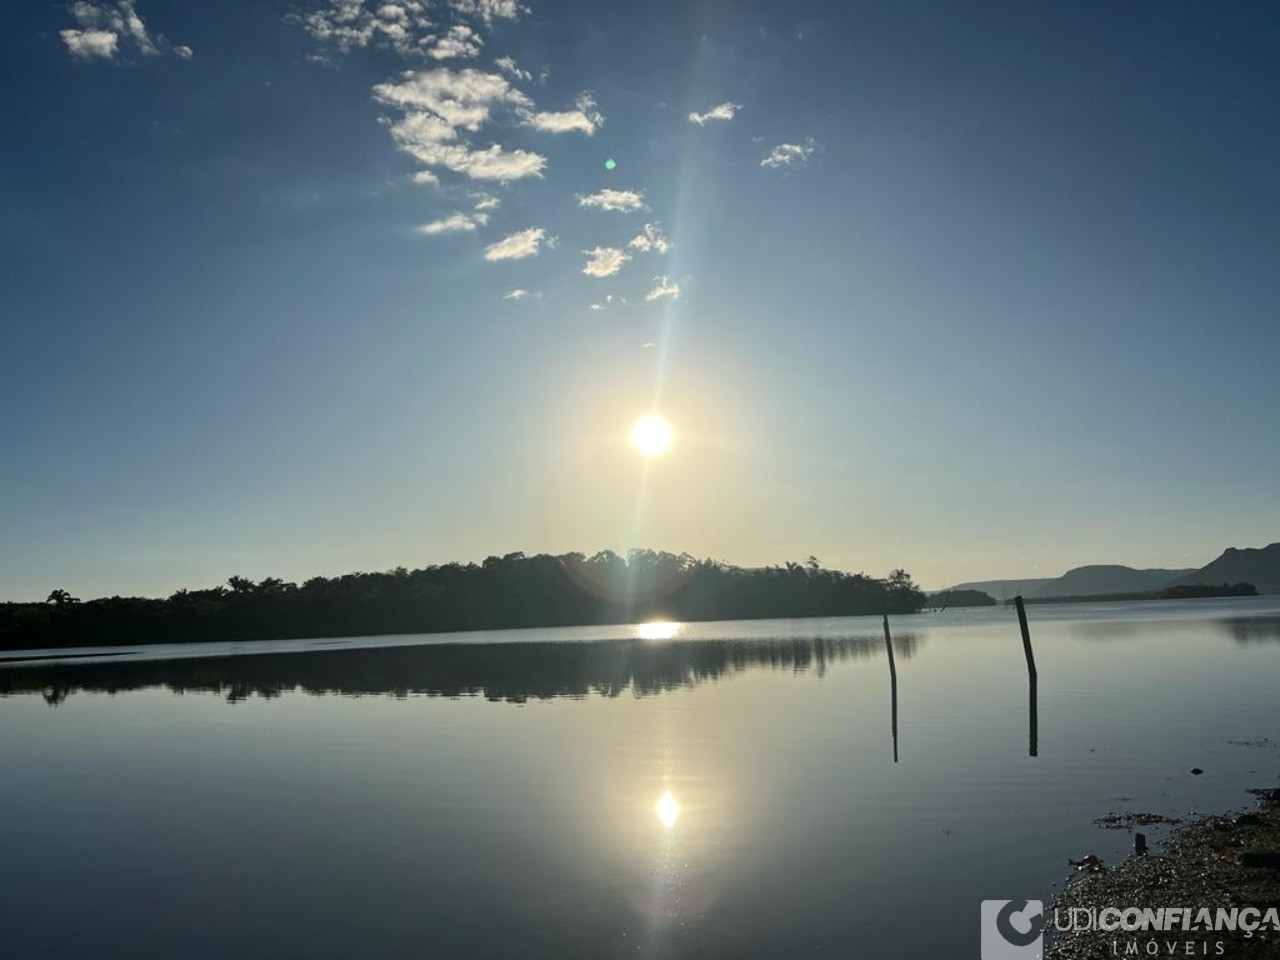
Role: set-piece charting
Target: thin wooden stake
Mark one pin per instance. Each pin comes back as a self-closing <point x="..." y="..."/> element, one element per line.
<point x="893" y="686"/>
<point x="1032" y="678"/>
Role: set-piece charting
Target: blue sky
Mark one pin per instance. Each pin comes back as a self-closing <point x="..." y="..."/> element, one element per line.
<point x="979" y="292"/>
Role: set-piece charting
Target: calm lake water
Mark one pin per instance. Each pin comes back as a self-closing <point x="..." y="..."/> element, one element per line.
<point x="728" y="791"/>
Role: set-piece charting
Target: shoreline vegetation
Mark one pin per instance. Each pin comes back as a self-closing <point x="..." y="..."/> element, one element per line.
<point x="944" y="599"/>
<point x="1191" y="591"/>
<point x="510" y="592"/>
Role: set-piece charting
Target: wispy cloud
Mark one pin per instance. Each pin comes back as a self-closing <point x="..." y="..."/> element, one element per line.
<point x="605" y="261"/>
<point x="651" y="238"/>
<point x="461" y="42"/>
<point x="485" y="202"/>
<point x="789" y="154"/>
<point x="439" y="103"/>
<point x="586" y="118"/>
<point x="663" y="289"/>
<point x="721" y="111"/>
<point x="455" y="223"/>
<point x="489" y="10"/>
<point x="454" y="98"/>
<point x="344" y="25"/>
<point x="609" y="301"/>
<point x="516" y="246"/>
<point x="102" y="28"/>
<point x="625" y="201"/>
<point x="509" y="66"/>
<point x="519" y="293"/>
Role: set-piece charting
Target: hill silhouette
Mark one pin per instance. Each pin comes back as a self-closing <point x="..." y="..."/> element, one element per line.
<point x="1259" y="566"/>
<point x="1096" y="579"/>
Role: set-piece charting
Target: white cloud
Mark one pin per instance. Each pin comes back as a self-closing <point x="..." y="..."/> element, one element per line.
<point x="402" y="25"/>
<point x="87" y="44"/>
<point x="489" y="10"/>
<point x="492" y="163"/>
<point x="663" y="288"/>
<point x="438" y="103"/>
<point x="455" y="223"/>
<point x="426" y="177"/>
<point x="485" y="202"/>
<point x="721" y="111"/>
<point x="605" y="261"/>
<point x="624" y="201"/>
<point x="524" y="243"/>
<point x="650" y="238"/>
<point x="102" y="26"/>
<point x="586" y="118"/>
<point x="458" y="98"/>
<point x="789" y="154"/>
<point x="508" y="66"/>
<point x="519" y="293"/>
<point x="460" y="42"/>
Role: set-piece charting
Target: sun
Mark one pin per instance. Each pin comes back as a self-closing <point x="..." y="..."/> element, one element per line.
<point x="651" y="435"/>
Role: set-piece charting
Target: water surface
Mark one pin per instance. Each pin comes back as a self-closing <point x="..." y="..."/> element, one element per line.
<point x="729" y="791"/>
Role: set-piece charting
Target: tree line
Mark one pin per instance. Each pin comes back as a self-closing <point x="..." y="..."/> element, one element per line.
<point x="512" y="591"/>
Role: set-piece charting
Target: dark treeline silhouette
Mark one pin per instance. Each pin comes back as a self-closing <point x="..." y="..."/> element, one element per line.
<point x="1188" y="591"/>
<point x="961" y="598"/>
<point x="497" y="671"/>
<point x="503" y="592"/>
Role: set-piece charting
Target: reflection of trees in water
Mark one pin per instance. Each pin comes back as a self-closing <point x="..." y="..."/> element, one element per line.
<point x="1245" y="630"/>
<point x="513" y="672"/>
<point x="1249" y="630"/>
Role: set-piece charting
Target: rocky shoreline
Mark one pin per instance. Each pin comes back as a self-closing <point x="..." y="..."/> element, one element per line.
<point x="1216" y="862"/>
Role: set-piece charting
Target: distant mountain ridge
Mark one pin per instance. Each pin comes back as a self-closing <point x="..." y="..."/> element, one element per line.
<point x="1092" y="580"/>
<point x="1001" y="589"/>
<point x="1099" y="579"/>
<point x="1258" y="566"/>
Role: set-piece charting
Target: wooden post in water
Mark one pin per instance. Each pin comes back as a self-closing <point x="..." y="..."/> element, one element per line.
<point x="893" y="686"/>
<point x="1032" y="677"/>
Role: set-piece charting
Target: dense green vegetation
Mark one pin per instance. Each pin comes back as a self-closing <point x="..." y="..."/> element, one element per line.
<point x="503" y="592"/>
<point x="961" y="598"/>
<point x="1188" y="591"/>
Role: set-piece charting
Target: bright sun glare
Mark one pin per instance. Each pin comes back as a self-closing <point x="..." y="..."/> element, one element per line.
<point x="657" y="630"/>
<point x="667" y="810"/>
<point x="651" y="435"/>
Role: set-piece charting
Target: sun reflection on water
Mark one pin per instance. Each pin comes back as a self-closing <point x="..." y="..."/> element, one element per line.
<point x="667" y="809"/>
<point x="658" y="630"/>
